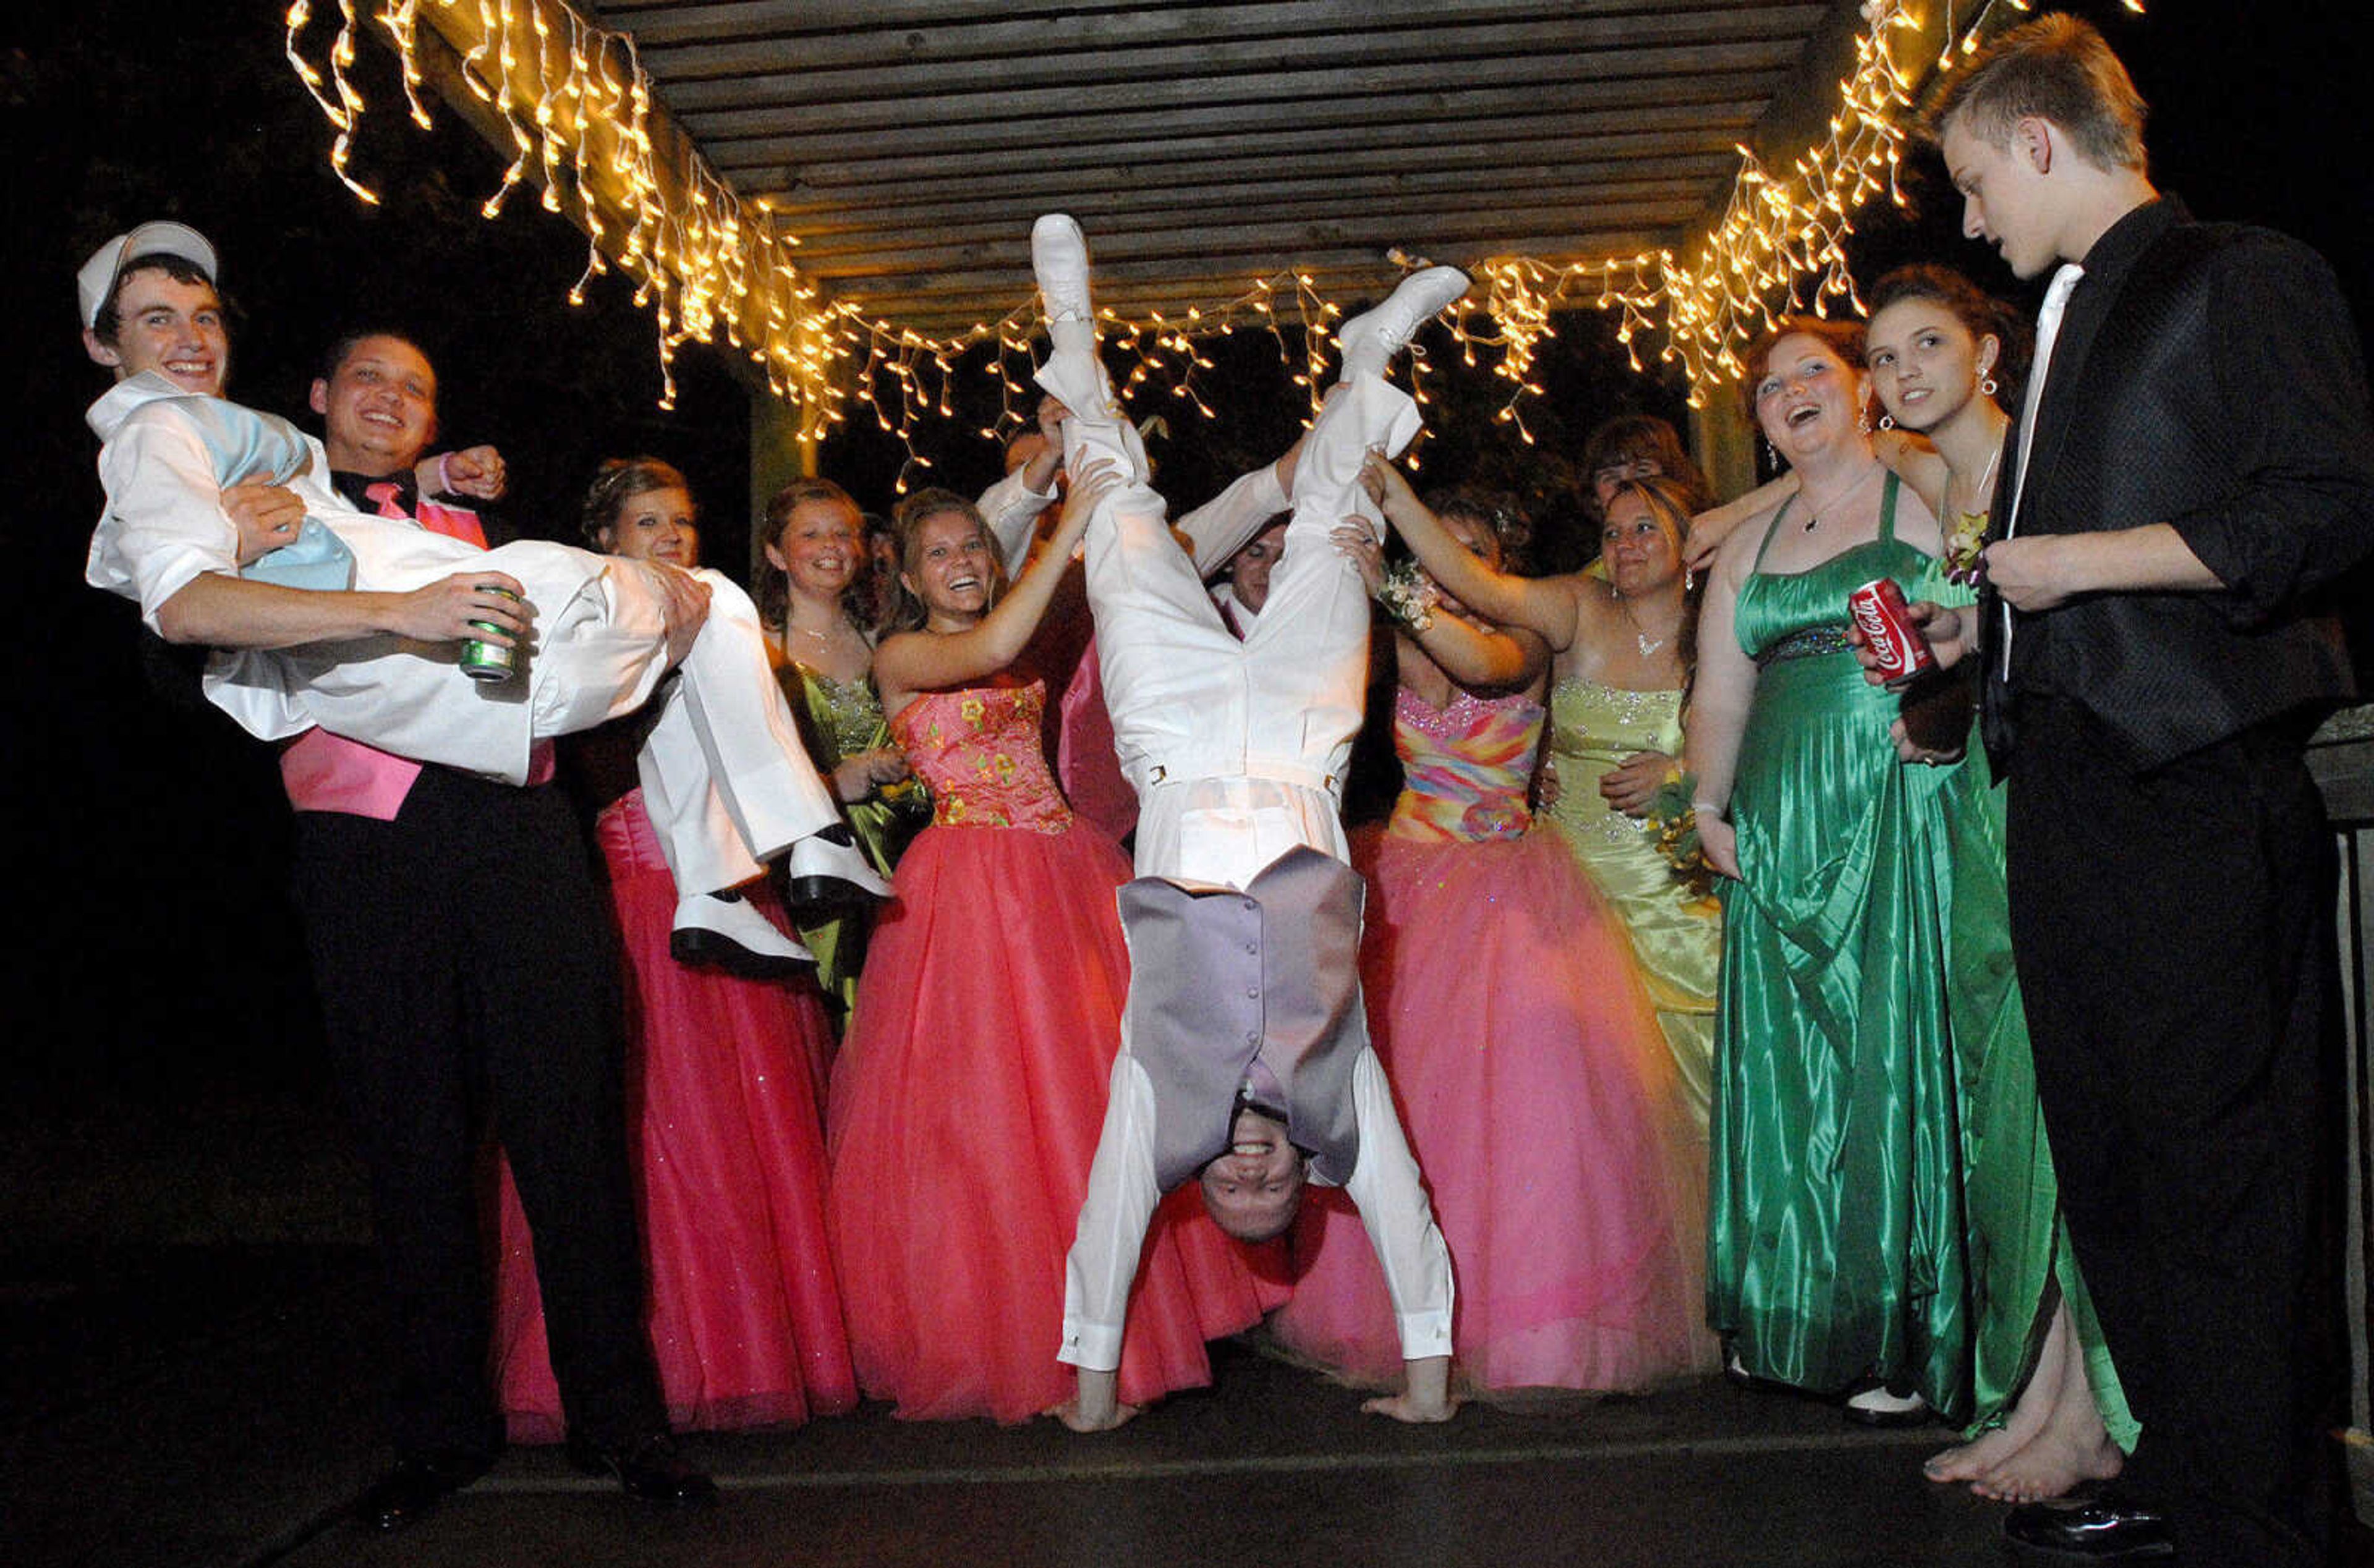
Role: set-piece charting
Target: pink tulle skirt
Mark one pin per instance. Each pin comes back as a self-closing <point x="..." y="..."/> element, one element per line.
<point x="728" y="1151"/>
<point x="965" y="1110"/>
<point x="1545" y="1112"/>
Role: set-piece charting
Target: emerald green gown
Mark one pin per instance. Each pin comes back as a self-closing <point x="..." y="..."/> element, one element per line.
<point x="1882" y="1201"/>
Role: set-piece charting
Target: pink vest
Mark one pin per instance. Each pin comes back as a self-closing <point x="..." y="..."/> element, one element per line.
<point x="323" y="772"/>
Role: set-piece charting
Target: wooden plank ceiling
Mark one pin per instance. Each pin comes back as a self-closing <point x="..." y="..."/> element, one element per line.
<point x="909" y="142"/>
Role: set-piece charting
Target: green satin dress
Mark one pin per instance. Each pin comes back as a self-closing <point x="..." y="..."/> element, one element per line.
<point x="838" y="719"/>
<point x="1676" y="935"/>
<point x="1882" y="1199"/>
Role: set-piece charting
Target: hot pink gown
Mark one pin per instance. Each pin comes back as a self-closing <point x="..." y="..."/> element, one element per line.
<point x="1534" y="1083"/>
<point x="968" y="1098"/>
<point x="728" y="1151"/>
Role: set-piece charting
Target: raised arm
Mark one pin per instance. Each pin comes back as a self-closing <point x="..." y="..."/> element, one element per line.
<point x="929" y="662"/>
<point x="1543" y="606"/>
<point x="1480" y="658"/>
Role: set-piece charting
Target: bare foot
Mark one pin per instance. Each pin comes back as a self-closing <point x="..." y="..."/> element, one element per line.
<point x="1968" y="1461"/>
<point x="1411" y="1409"/>
<point x="1095" y="1404"/>
<point x="2071" y="1448"/>
<point x="2030" y="1417"/>
<point x="1070" y="1414"/>
<point x="2052" y="1466"/>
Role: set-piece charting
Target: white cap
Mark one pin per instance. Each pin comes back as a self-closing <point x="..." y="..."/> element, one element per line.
<point x="96" y="283"/>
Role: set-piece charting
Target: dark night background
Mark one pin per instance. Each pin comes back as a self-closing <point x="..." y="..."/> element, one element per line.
<point x="155" y="953"/>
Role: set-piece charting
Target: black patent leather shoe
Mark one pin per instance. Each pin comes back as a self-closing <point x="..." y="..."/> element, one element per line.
<point x="2106" y="1528"/>
<point x="648" y="1468"/>
<point x="416" y="1486"/>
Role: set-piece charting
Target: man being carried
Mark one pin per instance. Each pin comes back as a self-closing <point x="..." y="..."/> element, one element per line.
<point x="730" y="785"/>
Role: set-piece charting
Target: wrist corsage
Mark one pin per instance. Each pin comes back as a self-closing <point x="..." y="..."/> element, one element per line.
<point x="1966" y="545"/>
<point x="1671" y="823"/>
<point x="1408" y="595"/>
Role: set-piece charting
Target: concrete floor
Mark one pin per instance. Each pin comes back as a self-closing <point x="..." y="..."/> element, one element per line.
<point x="215" y="1407"/>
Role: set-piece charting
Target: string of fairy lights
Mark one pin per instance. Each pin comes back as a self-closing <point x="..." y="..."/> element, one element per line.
<point x="577" y="106"/>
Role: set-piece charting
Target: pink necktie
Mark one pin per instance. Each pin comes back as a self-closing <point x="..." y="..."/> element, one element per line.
<point x="384" y="495"/>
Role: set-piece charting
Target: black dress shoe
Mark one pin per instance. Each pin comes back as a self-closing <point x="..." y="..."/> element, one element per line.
<point x="2105" y="1527"/>
<point x="416" y="1486"/>
<point x="825" y="895"/>
<point x="649" y="1469"/>
<point x="701" y="949"/>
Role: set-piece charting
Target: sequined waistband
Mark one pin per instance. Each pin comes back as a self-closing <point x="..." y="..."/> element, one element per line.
<point x="1808" y="642"/>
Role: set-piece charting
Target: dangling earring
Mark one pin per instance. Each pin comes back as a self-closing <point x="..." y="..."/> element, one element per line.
<point x="1689" y="578"/>
<point x="1887" y="421"/>
<point x="1986" y="386"/>
<point x="1771" y="458"/>
<point x="1862" y="421"/>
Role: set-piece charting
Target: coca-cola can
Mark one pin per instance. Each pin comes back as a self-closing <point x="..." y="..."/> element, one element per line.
<point x="1879" y="609"/>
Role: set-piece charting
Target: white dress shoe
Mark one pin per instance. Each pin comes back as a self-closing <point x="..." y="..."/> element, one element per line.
<point x="1059" y="258"/>
<point x="829" y="875"/>
<point x="1370" y="340"/>
<point x="721" y="931"/>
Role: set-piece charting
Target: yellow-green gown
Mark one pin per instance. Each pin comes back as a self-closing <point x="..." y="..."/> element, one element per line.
<point x="1677" y="934"/>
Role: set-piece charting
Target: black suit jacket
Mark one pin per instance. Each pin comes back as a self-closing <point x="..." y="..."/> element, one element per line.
<point x="2207" y="376"/>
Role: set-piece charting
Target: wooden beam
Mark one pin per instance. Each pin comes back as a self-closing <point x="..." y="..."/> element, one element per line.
<point x="1027" y="54"/>
<point x="1117" y="277"/>
<point x="818" y="207"/>
<point x="1353" y="95"/>
<point x="1274" y="235"/>
<point x="664" y="23"/>
<point x="1288" y="129"/>
<point x="1349" y="286"/>
<point x="1611" y="136"/>
<point x="824" y="231"/>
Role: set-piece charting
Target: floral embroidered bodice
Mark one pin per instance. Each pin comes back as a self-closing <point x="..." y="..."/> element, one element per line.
<point x="1465" y="768"/>
<point x="979" y="749"/>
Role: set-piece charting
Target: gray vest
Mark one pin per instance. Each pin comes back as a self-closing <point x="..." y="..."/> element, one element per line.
<point x="1220" y="978"/>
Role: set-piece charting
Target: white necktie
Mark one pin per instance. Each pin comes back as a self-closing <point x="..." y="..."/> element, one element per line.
<point x="2047" y="330"/>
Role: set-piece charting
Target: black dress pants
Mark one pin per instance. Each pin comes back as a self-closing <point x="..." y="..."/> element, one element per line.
<point x="2174" y="932"/>
<point x="464" y="961"/>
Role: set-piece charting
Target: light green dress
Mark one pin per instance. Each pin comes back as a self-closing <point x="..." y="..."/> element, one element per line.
<point x="838" y="719"/>
<point x="1882" y="1201"/>
<point x="1676" y="935"/>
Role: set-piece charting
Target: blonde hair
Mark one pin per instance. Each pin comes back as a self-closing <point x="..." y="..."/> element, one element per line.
<point x="2055" y="68"/>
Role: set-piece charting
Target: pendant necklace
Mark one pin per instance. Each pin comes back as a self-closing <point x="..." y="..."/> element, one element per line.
<point x="1646" y="645"/>
<point x="1814" y="514"/>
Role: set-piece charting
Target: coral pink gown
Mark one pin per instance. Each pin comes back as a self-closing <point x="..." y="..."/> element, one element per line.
<point x="728" y="1149"/>
<point x="1534" y="1081"/>
<point x="967" y="1101"/>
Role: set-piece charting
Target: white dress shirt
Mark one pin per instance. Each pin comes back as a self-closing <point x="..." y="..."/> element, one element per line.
<point x="1237" y="750"/>
<point x="734" y="786"/>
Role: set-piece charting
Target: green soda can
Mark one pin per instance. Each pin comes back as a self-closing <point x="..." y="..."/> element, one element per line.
<point x="484" y="661"/>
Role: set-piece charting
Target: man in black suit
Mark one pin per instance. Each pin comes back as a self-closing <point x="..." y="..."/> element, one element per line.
<point x="2193" y="466"/>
